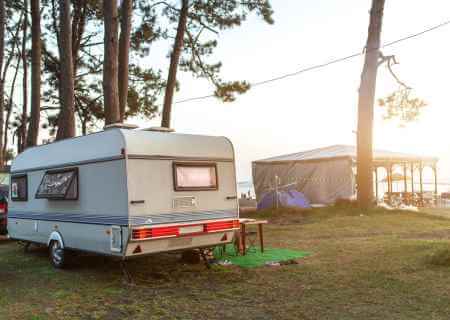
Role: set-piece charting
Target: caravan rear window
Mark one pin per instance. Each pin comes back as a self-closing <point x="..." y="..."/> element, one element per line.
<point x="195" y="176"/>
<point x="59" y="184"/>
<point x="19" y="188"/>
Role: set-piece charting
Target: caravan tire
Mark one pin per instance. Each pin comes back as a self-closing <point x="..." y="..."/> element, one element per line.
<point x="57" y="255"/>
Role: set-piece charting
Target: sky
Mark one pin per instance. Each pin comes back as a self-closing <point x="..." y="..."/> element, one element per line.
<point x="319" y="108"/>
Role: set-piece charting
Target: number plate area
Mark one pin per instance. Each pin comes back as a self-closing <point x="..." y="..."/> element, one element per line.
<point x="191" y="229"/>
<point x="180" y="242"/>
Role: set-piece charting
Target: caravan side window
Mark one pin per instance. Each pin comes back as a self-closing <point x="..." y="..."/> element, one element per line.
<point x="59" y="185"/>
<point x="19" y="188"/>
<point x="195" y="176"/>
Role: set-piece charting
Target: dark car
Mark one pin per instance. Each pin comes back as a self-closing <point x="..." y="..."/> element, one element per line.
<point x="4" y="192"/>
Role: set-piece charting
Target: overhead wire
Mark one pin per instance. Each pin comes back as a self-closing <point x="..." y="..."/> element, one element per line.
<point x="326" y="64"/>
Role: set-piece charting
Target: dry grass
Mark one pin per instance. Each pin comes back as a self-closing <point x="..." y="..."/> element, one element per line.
<point x="364" y="265"/>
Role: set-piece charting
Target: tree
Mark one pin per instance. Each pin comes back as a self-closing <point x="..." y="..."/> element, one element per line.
<point x="126" y="12"/>
<point x="2" y="80"/>
<point x="66" y="119"/>
<point x="365" y="106"/>
<point x="13" y="44"/>
<point x="110" y="65"/>
<point x="33" y="130"/>
<point x="22" y="133"/>
<point x="190" y="53"/>
<point x="174" y="61"/>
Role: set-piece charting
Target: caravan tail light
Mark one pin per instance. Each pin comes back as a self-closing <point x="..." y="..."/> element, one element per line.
<point x="176" y="231"/>
<point x="221" y="225"/>
<point x="146" y="233"/>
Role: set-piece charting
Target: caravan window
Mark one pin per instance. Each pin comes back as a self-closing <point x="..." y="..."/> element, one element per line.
<point x="19" y="188"/>
<point x="59" y="184"/>
<point x="195" y="176"/>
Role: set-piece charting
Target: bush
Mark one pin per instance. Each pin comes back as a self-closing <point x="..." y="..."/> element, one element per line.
<point x="440" y="258"/>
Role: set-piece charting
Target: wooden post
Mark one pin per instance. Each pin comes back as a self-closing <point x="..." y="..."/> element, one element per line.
<point x="412" y="183"/>
<point x="435" y="185"/>
<point x="376" y="184"/>
<point x="405" y="197"/>
<point x="421" y="183"/>
<point x="390" y="183"/>
<point x="261" y="236"/>
<point x="404" y="178"/>
<point x="243" y="237"/>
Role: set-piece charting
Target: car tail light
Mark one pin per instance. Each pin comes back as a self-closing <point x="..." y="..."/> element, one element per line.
<point x="3" y="208"/>
<point x="4" y="211"/>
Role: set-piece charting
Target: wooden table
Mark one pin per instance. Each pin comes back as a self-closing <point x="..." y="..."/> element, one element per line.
<point x="251" y="222"/>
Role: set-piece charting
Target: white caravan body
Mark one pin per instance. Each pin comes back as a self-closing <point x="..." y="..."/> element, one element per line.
<point x="126" y="192"/>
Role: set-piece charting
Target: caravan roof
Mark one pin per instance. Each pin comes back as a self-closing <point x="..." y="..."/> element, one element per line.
<point x="112" y="143"/>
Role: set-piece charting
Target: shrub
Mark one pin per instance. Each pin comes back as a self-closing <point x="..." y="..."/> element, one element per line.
<point x="440" y="258"/>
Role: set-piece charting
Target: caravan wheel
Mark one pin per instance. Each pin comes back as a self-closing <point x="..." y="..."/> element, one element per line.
<point x="57" y="255"/>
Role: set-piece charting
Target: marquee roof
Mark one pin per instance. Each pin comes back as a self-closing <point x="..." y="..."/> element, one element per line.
<point x="346" y="151"/>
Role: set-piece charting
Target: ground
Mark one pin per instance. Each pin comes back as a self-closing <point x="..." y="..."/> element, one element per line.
<point x="363" y="265"/>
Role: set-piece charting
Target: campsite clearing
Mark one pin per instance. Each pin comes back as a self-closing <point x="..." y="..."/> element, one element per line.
<point x="363" y="265"/>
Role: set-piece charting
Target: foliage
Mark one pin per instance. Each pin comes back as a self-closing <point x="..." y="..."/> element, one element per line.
<point x="402" y="106"/>
<point x="144" y="87"/>
<point x="205" y="20"/>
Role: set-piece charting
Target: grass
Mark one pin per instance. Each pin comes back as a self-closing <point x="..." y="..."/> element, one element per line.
<point x="364" y="265"/>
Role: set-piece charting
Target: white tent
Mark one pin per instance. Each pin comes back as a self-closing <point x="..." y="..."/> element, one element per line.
<point x="326" y="174"/>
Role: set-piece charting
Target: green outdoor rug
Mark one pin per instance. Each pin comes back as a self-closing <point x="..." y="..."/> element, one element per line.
<point x="255" y="258"/>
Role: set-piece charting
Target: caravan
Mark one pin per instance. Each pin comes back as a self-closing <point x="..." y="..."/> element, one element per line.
<point x="125" y="193"/>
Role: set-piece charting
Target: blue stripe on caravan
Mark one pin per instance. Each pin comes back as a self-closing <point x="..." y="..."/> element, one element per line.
<point x="153" y="219"/>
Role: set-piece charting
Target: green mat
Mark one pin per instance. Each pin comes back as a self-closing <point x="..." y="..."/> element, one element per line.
<point x="254" y="258"/>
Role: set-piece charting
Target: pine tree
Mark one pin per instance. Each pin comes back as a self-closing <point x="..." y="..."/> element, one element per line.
<point x="33" y="130"/>
<point x="110" y="65"/>
<point x="66" y="119"/>
<point x="365" y="106"/>
<point x="190" y="53"/>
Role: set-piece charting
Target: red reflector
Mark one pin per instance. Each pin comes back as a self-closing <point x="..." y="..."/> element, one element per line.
<point x="137" y="249"/>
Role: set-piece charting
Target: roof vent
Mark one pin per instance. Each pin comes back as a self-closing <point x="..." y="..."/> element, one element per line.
<point x="120" y="125"/>
<point x="159" y="129"/>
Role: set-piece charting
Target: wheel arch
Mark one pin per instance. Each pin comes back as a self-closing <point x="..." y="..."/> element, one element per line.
<point x="56" y="236"/>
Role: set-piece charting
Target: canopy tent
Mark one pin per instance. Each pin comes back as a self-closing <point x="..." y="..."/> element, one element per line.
<point x="326" y="174"/>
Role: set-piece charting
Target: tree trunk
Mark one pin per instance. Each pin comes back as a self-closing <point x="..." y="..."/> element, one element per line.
<point x="10" y="107"/>
<point x="35" y="114"/>
<point x="16" y="46"/>
<point x="174" y="60"/>
<point x="110" y="64"/>
<point x="66" y="119"/>
<point x="78" y="28"/>
<point x="2" y="81"/>
<point x="124" y="51"/>
<point x="365" y="107"/>
<point x="23" y="125"/>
